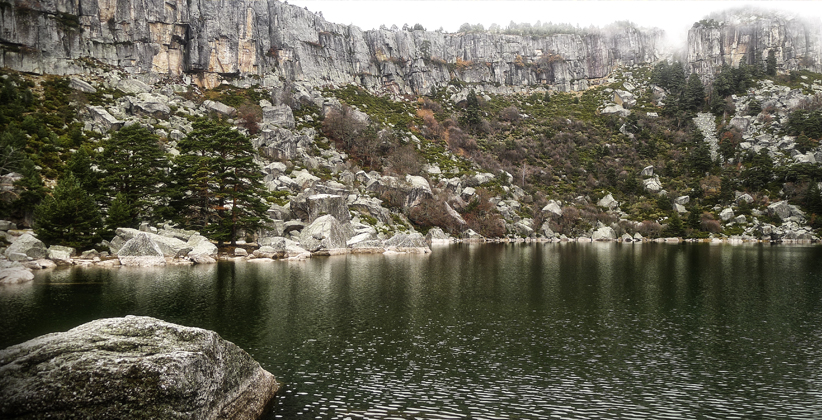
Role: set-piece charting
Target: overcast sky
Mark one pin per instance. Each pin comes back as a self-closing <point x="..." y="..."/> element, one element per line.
<point x="675" y="17"/>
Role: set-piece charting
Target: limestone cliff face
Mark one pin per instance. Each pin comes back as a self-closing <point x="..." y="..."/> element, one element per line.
<point x="208" y="39"/>
<point x="745" y="37"/>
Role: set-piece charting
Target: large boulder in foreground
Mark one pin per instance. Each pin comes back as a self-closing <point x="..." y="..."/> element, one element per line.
<point x="135" y="368"/>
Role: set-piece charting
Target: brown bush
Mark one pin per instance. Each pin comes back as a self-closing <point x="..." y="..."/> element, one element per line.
<point x="430" y="105"/>
<point x="405" y="160"/>
<point x="481" y="216"/>
<point x="432" y="128"/>
<point x="510" y="114"/>
<point x="250" y="116"/>
<point x="459" y="141"/>
<point x="708" y="224"/>
<point x="649" y="229"/>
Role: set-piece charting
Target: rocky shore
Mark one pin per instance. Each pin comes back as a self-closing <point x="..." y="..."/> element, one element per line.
<point x="326" y="236"/>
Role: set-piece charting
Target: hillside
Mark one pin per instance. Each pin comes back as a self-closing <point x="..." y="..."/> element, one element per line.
<point x="616" y="145"/>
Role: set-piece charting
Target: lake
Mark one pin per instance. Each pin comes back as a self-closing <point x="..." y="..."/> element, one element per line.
<point x="565" y="330"/>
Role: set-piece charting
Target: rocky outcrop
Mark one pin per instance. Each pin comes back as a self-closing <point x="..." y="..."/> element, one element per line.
<point x="748" y="37"/>
<point x="132" y="367"/>
<point x="410" y="243"/>
<point x="324" y="236"/>
<point x="203" y="41"/>
<point x="26" y="247"/>
<point x="141" y="251"/>
<point x="169" y="245"/>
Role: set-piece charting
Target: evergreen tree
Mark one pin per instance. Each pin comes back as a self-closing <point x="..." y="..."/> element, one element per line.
<point x="674" y="227"/>
<point x="726" y="189"/>
<point x="813" y="199"/>
<point x="760" y="173"/>
<point x="694" y="95"/>
<point x="754" y="108"/>
<point x="133" y="164"/>
<point x="69" y="216"/>
<point x="119" y="215"/>
<point x="694" y="219"/>
<point x="770" y="66"/>
<point x="222" y="187"/>
<point x="472" y="118"/>
<point x="717" y="104"/>
<point x="79" y="164"/>
<point x="700" y="158"/>
<point x="804" y="143"/>
<point x="31" y="192"/>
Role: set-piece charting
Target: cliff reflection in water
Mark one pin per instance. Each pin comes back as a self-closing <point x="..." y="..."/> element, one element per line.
<point x="575" y="330"/>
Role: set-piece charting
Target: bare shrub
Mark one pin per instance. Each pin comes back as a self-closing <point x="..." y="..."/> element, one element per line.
<point x="250" y="116"/>
<point x="649" y="229"/>
<point x="708" y="224"/>
<point x="430" y="105"/>
<point x="459" y="141"/>
<point x="481" y="216"/>
<point x="405" y="160"/>
<point x="510" y="114"/>
<point x="431" y="128"/>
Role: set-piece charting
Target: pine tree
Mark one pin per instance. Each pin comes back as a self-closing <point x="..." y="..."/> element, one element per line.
<point x="80" y="166"/>
<point x="700" y="158"/>
<point x="674" y="227"/>
<point x="31" y="192"/>
<point x="133" y="164"/>
<point x="472" y="118"/>
<point x="770" y="63"/>
<point x="221" y="183"/>
<point x="813" y="199"/>
<point x="694" y="95"/>
<point x="69" y="216"/>
<point x="119" y="215"/>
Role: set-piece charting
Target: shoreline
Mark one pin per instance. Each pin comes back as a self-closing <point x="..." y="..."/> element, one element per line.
<point x="14" y="272"/>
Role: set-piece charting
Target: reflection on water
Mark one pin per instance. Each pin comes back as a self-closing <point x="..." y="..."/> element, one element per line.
<point x="490" y="331"/>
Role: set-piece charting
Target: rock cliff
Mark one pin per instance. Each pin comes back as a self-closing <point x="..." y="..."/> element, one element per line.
<point x="748" y="37"/>
<point x="205" y="40"/>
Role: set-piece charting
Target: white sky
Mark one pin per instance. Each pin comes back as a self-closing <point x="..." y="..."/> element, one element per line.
<point x="675" y="17"/>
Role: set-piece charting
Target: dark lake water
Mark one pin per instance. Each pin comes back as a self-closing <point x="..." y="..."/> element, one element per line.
<point x="569" y="331"/>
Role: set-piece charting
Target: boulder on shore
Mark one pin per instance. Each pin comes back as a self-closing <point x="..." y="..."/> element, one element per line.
<point x="410" y="243"/>
<point x="27" y="245"/>
<point x="325" y="235"/>
<point x="14" y="273"/>
<point x="132" y="367"/>
<point x="141" y="251"/>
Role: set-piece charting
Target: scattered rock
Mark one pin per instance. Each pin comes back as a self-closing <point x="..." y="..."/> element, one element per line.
<point x="652" y="185"/>
<point x="219" y="108"/>
<point x="61" y="254"/>
<point x="81" y="85"/>
<point x="608" y="202"/>
<point x="553" y="208"/>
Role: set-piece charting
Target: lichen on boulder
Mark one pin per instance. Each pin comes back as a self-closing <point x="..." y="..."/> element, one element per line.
<point x="135" y="368"/>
